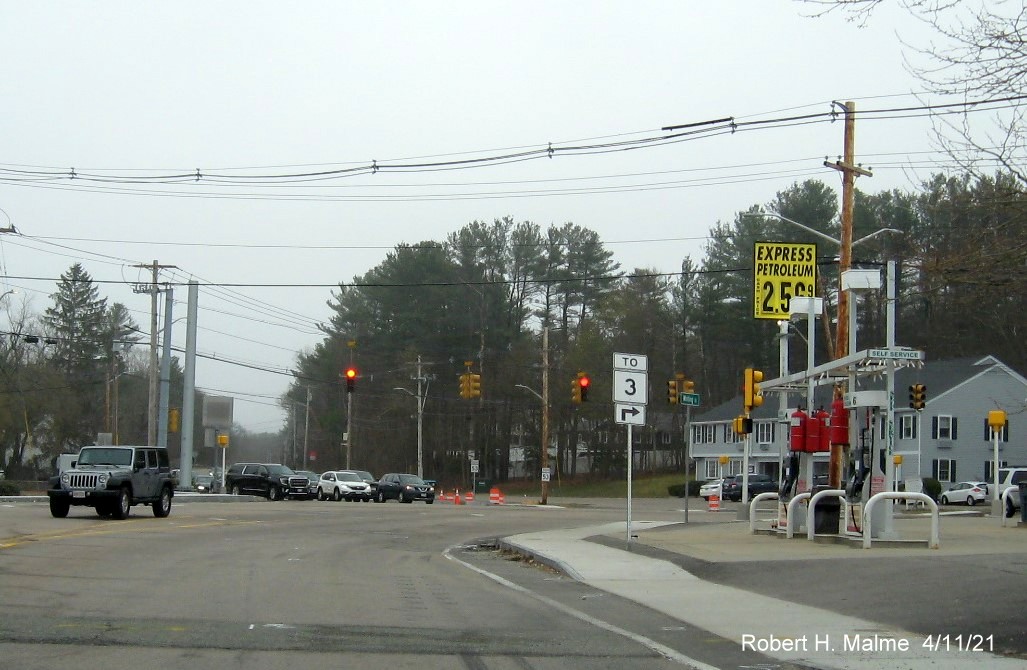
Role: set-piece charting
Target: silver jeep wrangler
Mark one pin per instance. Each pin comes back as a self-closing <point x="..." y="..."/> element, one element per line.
<point x="112" y="479"/>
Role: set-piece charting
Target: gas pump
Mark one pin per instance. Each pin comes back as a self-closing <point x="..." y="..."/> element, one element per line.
<point x="796" y="448"/>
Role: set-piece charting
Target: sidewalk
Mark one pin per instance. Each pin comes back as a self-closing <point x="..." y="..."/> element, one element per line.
<point x="825" y="605"/>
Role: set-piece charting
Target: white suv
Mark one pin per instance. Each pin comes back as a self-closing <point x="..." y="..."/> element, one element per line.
<point x="343" y="485"/>
<point x="1010" y="478"/>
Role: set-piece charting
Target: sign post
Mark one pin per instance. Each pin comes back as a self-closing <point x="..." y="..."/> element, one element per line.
<point x="630" y="396"/>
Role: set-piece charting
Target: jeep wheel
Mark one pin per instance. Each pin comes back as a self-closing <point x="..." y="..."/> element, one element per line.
<point x="59" y="508"/>
<point x="103" y="510"/>
<point x="380" y="497"/>
<point x="272" y="493"/>
<point x="123" y="506"/>
<point x="162" y="507"/>
<point x="236" y="491"/>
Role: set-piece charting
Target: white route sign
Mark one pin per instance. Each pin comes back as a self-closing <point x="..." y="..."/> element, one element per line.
<point x="629" y="414"/>
<point x="630" y="387"/>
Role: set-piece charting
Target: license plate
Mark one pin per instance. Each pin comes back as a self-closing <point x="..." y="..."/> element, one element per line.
<point x="78" y="494"/>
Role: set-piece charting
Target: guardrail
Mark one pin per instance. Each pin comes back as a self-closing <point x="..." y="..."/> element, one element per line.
<point x="1005" y="502"/>
<point x="769" y="495"/>
<point x="932" y="542"/>
<point x="792" y="504"/>
<point x="817" y="497"/>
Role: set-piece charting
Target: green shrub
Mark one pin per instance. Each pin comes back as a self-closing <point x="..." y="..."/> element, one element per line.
<point x="9" y="489"/>
<point x="678" y="490"/>
<point x="932" y="487"/>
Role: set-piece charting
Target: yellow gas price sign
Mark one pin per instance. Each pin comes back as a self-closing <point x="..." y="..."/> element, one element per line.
<point x="782" y="271"/>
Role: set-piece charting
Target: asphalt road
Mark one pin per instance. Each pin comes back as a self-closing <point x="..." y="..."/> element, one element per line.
<point x="313" y="584"/>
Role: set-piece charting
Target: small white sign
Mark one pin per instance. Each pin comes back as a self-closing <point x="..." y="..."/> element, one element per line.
<point x="629" y="414"/>
<point x="631" y="362"/>
<point x="545" y="474"/>
<point x="474" y="467"/>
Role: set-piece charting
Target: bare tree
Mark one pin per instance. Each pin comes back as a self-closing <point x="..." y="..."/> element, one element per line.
<point x="979" y="54"/>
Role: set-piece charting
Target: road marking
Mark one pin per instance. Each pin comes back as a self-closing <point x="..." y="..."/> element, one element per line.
<point x="662" y="650"/>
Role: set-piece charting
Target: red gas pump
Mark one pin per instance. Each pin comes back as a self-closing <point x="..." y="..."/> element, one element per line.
<point x="824" y="419"/>
<point x="797" y="436"/>
<point x="813" y="433"/>
<point x="839" y="423"/>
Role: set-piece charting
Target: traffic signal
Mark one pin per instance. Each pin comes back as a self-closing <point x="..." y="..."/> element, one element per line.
<point x="742" y="425"/>
<point x="583" y="384"/>
<point x="351" y="379"/>
<point x="174" y="419"/>
<point x="753" y="396"/>
<point x="917" y="396"/>
<point x="688" y="386"/>
<point x="672" y="391"/>
<point x="473" y="385"/>
<point x="465" y="385"/>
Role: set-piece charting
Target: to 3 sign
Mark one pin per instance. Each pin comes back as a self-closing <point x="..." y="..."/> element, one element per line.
<point x="782" y="271"/>
<point x="630" y="387"/>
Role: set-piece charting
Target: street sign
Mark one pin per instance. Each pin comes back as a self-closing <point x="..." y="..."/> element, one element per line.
<point x="546" y="473"/>
<point x="896" y="354"/>
<point x="782" y="271"/>
<point x="630" y="387"/>
<point x="474" y="467"/>
<point x="690" y="399"/>
<point x="629" y="414"/>
<point x="631" y="362"/>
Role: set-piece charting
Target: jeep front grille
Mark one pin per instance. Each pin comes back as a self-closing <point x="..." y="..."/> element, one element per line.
<point x="83" y="481"/>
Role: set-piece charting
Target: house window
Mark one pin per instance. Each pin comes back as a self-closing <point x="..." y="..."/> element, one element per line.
<point x="908" y="426"/>
<point x="734" y="466"/>
<point x="665" y="439"/>
<point x="730" y="436"/>
<point x="712" y="468"/>
<point x="702" y="434"/>
<point x="604" y="438"/>
<point x="943" y="427"/>
<point x="1003" y="433"/>
<point x="764" y="432"/>
<point x="944" y="469"/>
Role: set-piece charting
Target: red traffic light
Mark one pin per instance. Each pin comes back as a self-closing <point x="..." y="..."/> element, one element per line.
<point x="583" y="382"/>
<point x="351" y="373"/>
<point x="351" y="379"/>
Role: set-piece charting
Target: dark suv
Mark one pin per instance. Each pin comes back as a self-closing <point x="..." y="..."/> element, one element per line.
<point x="113" y="479"/>
<point x="404" y="488"/>
<point x="757" y="484"/>
<point x="271" y="480"/>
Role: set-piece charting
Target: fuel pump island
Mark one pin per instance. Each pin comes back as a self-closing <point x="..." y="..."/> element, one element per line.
<point x="834" y="408"/>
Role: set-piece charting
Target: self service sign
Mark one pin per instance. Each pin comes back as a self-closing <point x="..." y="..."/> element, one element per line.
<point x="782" y="270"/>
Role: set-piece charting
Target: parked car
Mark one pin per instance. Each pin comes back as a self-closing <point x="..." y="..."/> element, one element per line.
<point x="203" y="483"/>
<point x="970" y="493"/>
<point x="271" y="480"/>
<point x="1010" y="478"/>
<point x="371" y="480"/>
<point x="711" y="488"/>
<point x="312" y="478"/>
<point x="405" y="488"/>
<point x="343" y="485"/>
<point x="757" y="484"/>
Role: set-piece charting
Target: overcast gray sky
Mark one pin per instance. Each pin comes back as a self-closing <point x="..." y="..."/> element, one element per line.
<point x="124" y="89"/>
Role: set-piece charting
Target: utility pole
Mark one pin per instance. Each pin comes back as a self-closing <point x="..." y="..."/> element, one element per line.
<point x="151" y="288"/>
<point x="544" y="447"/>
<point x="420" y="421"/>
<point x="849" y="171"/>
<point x="306" y="429"/>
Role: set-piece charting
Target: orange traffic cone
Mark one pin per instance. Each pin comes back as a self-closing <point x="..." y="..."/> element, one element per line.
<point x="714" y="503"/>
<point x="494" y="495"/>
<point x="458" y="500"/>
<point x="469" y="496"/>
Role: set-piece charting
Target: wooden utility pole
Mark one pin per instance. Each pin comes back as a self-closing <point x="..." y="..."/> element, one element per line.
<point x="849" y="171"/>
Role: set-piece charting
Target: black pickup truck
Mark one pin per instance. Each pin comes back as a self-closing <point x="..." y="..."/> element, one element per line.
<point x="271" y="480"/>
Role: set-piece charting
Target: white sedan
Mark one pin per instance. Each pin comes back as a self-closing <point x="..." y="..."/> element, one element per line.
<point x="970" y="493"/>
<point x="711" y="488"/>
<point x="342" y="485"/>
